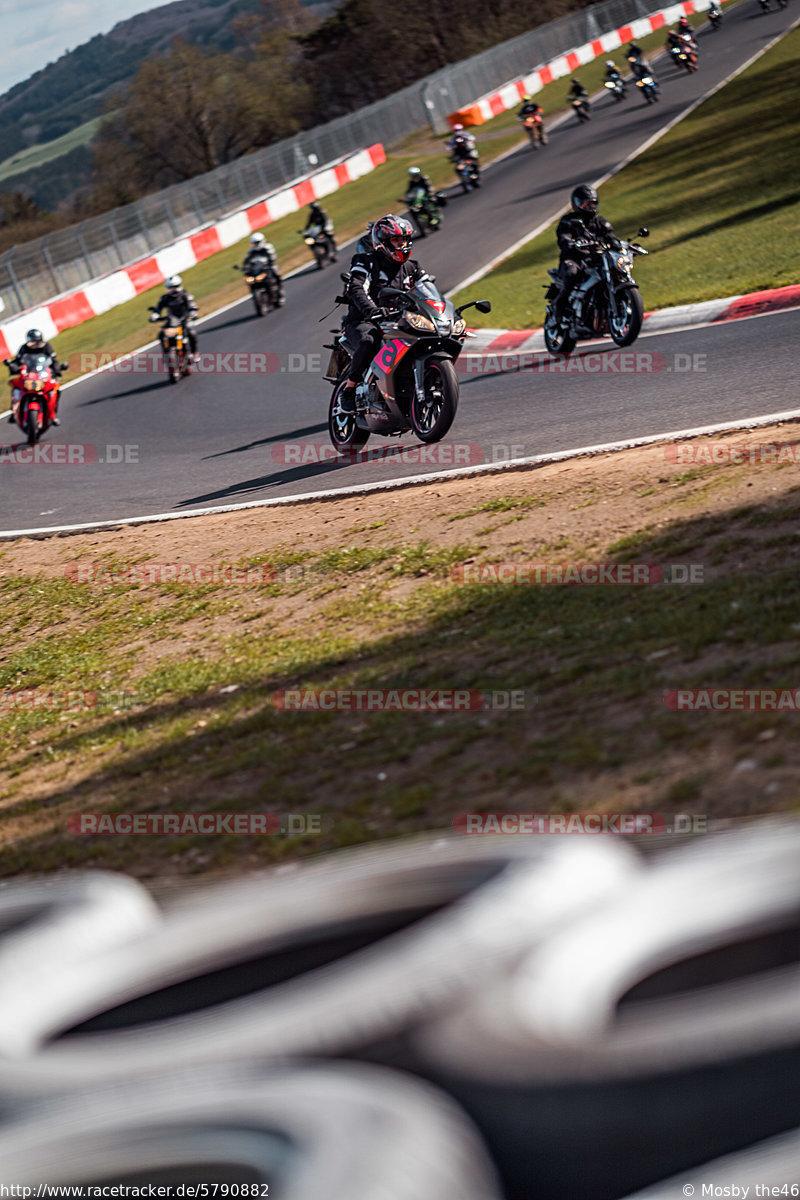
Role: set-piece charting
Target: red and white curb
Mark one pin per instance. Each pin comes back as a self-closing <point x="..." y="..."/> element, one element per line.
<point x="100" y="295"/>
<point x="509" y="96"/>
<point x="504" y="342"/>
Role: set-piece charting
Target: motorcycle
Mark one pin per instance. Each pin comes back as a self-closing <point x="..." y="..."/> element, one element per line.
<point x="715" y="18"/>
<point x="321" y="244"/>
<point x="582" y="110"/>
<point x="411" y="384"/>
<point x="175" y="345"/>
<point x="34" y="393"/>
<point x="264" y="289"/>
<point x="616" y="85"/>
<point x="468" y="173"/>
<point x="685" y="55"/>
<point x="425" y="209"/>
<point x="649" y="88"/>
<point x="606" y="300"/>
<point x="534" y="127"/>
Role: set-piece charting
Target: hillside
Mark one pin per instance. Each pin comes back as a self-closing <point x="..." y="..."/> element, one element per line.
<point x="75" y="88"/>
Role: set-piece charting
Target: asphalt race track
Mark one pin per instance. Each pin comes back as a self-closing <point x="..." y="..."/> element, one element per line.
<point x="228" y="436"/>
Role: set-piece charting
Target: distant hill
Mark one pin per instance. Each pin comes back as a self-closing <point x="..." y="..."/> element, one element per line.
<point x="75" y="88"/>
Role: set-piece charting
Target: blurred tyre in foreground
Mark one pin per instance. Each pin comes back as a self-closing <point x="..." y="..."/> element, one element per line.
<point x="659" y="1032"/>
<point x="53" y="936"/>
<point x="772" y="1164"/>
<point x="342" y="1132"/>
<point x="324" y="958"/>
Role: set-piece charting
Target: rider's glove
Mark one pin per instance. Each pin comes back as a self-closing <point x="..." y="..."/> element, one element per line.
<point x="153" y="317"/>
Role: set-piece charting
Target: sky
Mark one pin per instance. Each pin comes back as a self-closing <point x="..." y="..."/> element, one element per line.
<point x="37" y="34"/>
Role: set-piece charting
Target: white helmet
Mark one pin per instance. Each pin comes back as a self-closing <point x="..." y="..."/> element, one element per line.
<point x="173" y="283"/>
<point x="610" y="62"/>
<point x="257" y="239"/>
<point x="457" y="128"/>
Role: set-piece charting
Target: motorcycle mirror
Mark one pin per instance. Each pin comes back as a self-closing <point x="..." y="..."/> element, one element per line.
<point x="643" y="231"/>
<point x="484" y="306"/>
<point x="63" y="366"/>
<point x="236" y="268"/>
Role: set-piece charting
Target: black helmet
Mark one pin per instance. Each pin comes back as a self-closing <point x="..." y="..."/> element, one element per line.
<point x="583" y="199"/>
<point x="36" y="336"/>
<point x="393" y="236"/>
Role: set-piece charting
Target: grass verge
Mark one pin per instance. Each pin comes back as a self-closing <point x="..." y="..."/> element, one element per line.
<point x="185" y="717"/>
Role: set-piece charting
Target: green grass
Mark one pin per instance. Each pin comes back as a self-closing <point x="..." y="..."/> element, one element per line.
<point x="720" y="194"/>
<point x="197" y="729"/>
<point x="38" y="155"/>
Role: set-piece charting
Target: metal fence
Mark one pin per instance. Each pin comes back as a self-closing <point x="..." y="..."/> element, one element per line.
<point x="36" y="271"/>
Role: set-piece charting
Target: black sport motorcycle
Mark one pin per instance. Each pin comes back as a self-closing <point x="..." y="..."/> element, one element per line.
<point x="582" y="108"/>
<point x="649" y="87"/>
<point x="411" y="384"/>
<point x="264" y="288"/>
<point x="321" y="244"/>
<point x="425" y="209"/>
<point x="468" y="173"/>
<point x="605" y="300"/>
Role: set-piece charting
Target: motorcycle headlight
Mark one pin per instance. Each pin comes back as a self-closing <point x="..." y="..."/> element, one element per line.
<point x="459" y="327"/>
<point x="417" y="321"/>
<point x="625" y="261"/>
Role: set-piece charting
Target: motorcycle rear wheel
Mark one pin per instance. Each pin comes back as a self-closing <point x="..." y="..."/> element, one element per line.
<point x="625" y="329"/>
<point x="345" y="435"/>
<point x="431" y="419"/>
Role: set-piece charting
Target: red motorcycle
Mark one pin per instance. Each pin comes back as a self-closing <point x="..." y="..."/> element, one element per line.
<point x="34" y="393"/>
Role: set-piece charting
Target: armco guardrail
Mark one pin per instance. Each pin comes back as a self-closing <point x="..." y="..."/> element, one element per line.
<point x="31" y="274"/>
<point x="99" y="295"/>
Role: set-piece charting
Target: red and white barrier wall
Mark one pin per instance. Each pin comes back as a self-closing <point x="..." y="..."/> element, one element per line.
<point x="510" y="95"/>
<point x="102" y="294"/>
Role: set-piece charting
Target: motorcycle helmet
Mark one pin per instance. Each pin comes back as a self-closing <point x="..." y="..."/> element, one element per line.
<point x="35" y="336"/>
<point x="458" y="128"/>
<point x="174" y="283"/>
<point x="393" y="237"/>
<point x="414" y="172"/>
<point x="257" y="239"/>
<point x="610" y="63"/>
<point x="583" y="199"/>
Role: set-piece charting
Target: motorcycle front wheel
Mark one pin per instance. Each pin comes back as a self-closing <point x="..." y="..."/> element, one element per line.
<point x="345" y="435"/>
<point x="432" y="416"/>
<point x="32" y="426"/>
<point x="558" y="341"/>
<point x="173" y="369"/>
<point x="260" y="302"/>
<point x="626" y="326"/>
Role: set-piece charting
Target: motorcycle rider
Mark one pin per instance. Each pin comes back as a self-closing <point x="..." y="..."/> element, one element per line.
<point x="578" y="92"/>
<point x="635" y="57"/>
<point x="319" y="219"/>
<point x="386" y="263"/>
<point x="261" y="249"/>
<point x="180" y="304"/>
<point x="35" y="344"/>
<point x="461" y="145"/>
<point x="714" y="12"/>
<point x="531" y="109"/>
<point x="416" y="179"/>
<point x="581" y="224"/>
<point x="612" y="74"/>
